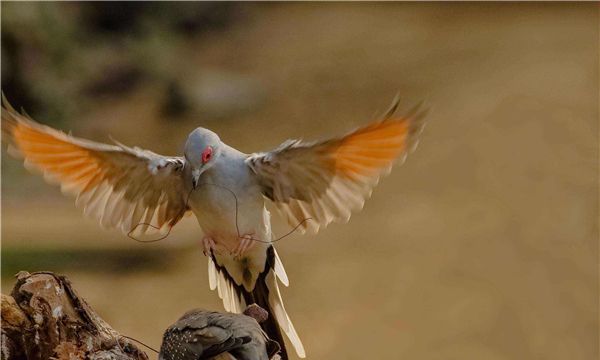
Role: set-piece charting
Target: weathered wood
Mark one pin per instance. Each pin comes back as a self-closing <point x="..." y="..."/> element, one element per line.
<point x="44" y="318"/>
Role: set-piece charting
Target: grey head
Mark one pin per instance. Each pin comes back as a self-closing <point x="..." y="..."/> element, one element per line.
<point x="202" y="149"/>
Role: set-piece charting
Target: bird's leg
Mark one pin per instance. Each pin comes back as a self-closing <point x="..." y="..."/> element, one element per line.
<point x="208" y="245"/>
<point x="246" y="242"/>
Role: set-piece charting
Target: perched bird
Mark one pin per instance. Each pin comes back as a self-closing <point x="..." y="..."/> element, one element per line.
<point x="201" y="334"/>
<point x="311" y="183"/>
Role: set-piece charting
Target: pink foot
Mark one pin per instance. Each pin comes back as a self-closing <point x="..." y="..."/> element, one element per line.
<point x="246" y="242"/>
<point x="208" y="245"/>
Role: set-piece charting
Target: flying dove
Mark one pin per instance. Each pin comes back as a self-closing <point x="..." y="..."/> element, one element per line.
<point x="138" y="191"/>
<point x="201" y="334"/>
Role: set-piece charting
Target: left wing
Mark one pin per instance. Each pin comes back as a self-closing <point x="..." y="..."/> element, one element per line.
<point x="121" y="187"/>
<point x="327" y="180"/>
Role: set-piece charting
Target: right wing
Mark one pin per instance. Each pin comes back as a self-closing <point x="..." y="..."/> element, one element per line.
<point x="327" y="180"/>
<point x="132" y="189"/>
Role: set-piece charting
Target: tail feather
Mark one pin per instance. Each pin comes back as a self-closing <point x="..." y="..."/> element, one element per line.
<point x="265" y="294"/>
<point x="261" y="296"/>
<point x="226" y="288"/>
<point x="279" y="270"/>
<point x="284" y="321"/>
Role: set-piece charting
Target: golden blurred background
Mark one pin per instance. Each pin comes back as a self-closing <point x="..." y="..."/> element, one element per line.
<point x="482" y="246"/>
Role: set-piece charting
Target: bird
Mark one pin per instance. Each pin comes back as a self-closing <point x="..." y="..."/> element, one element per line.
<point x="202" y="334"/>
<point x="310" y="183"/>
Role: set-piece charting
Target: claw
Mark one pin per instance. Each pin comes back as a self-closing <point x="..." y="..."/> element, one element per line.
<point x="208" y="245"/>
<point x="246" y="242"/>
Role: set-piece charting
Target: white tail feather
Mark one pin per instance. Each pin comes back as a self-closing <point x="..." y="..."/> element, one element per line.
<point x="233" y="303"/>
<point x="212" y="274"/>
<point x="280" y="270"/>
<point x="217" y="280"/>
<point x="281" y="315"/>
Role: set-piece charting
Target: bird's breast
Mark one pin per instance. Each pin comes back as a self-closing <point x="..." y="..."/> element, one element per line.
<point x="228" y="204"/>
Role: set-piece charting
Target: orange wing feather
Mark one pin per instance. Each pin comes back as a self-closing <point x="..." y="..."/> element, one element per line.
<point x="367" y="150"/>
<point x="61" y="159"/>
<point x="115" y="184"/>
<point x="327" y="180"/>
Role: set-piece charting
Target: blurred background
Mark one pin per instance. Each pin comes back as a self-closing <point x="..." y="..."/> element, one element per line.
<point x="482" y="246"/>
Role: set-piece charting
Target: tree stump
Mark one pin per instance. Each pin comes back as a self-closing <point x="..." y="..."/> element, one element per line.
<point x="44" y="318"/>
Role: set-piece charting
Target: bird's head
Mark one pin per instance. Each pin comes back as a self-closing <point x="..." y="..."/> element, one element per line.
<point x="202" y="149"/>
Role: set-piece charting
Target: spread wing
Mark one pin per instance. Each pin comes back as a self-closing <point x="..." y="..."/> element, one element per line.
<point x="118" y="185"/>
<point x="327" y="180"/>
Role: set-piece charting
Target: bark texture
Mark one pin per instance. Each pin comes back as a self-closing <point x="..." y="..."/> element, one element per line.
<point x="44" y="318"/>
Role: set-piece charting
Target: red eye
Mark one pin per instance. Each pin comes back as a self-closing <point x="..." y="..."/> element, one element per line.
<point x="207" y="154"/>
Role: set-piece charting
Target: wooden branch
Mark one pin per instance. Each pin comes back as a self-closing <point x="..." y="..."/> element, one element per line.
<point x="44" y="318"/>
